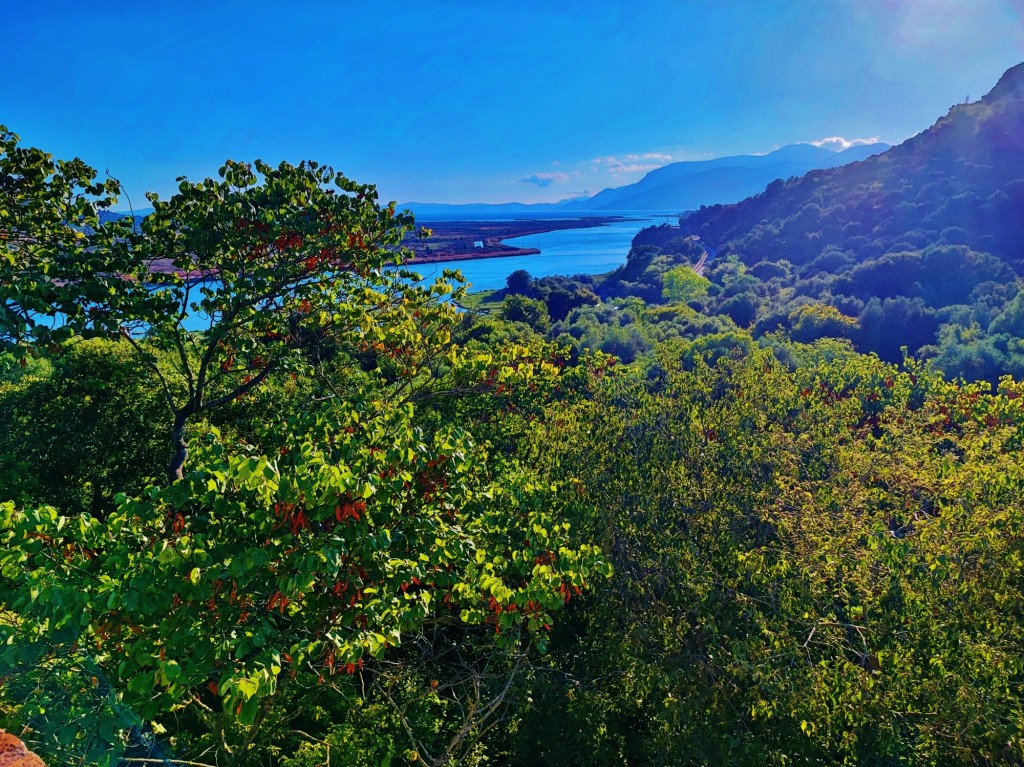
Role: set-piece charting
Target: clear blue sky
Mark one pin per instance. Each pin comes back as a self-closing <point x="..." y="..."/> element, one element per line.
<point x="449" y="101"/>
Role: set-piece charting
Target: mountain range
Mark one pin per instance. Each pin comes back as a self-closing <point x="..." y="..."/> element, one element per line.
<point x="682" y="186"/>
<point x="688" y="185"/>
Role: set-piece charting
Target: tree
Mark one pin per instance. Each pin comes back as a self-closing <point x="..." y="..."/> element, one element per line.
<point x="264" y="261"/>
<point x="683" y="285"/>
<point x="518" y="282"/>
<point x="813" y="321"/>
<point x="56" y="260"/>
<point x="269" y="263"/>
<point x="1011" y="319"/>
<point x="89" y="427"/>
<point x="305" y="543"/>
<point x="519" y="308"/>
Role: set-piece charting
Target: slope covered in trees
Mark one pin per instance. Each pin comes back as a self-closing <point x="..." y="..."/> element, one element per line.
<point x="961" y="182"/>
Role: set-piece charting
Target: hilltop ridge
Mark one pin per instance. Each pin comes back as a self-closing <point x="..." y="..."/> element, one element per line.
<point x="960" y="182"/>
<point x="686" y="185"/>
<point x="678" y="186"/>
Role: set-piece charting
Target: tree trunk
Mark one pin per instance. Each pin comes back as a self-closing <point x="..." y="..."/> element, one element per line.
<point x="176" y="468"/>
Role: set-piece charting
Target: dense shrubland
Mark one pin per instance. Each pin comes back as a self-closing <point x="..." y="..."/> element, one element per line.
<point x="654" y="517"/>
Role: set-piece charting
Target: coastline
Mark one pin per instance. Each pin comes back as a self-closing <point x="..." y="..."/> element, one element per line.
<point x="457" y="240"/>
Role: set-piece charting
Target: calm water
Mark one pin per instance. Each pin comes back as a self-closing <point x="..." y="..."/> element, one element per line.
<point x="567" y="251"/>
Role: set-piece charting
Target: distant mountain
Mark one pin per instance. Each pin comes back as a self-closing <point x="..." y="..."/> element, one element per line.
<point x="113" y="215"/>
<point x="960" y="182"/>
<point x="424" y="210"/>
<point x="688" y="185"/>
<point x="679" y="186"/>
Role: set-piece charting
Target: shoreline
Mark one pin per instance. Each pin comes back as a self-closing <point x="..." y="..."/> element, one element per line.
<point x="456" y="240"/>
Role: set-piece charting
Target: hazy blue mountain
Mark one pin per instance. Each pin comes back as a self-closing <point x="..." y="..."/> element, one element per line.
<point x="425" y="210"/>
<point x="688" y="185"/>
<point x="677" y="187"/>
<point x="113" y="215"/>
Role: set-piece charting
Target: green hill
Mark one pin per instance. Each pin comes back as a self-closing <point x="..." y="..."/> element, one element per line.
<point x="960" y="182"/>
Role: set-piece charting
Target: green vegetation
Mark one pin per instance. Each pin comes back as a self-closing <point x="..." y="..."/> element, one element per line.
<point x="921" y="245"/>
<point x="267" y="500"/>
<point x="915" y="250"/>
<point x="683" y="285"/>
<point x="328" y="528"/>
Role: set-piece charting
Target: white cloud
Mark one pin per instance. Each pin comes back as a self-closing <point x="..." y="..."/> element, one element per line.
<point x="838" y="143"/>
<point x="546" y="179"/>
<point x="632" y="163"/>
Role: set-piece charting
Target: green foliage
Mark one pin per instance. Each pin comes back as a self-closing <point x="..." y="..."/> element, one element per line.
<point x="361" y="739"/>
<point x="683" y="285"/>
<point x="813" y="321"/>
<point x="406" y="534"/>
<point x="811" y="567"/>
<point x="530" y="311"/>
<point x="518" y="281"/>
<point x="344" y="524"/>
<point x="87" y="428"/>
<point x="631" y="330"/>
<point x="1011" y="318"/>
<point x="562" y="294"/>
<point x="898" y="242"/>
<point x="280" y="264"/>
<point x="367" y="530"/>
<point x="56" y="260"/>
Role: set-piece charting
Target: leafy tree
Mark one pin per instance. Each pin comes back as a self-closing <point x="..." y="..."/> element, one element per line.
<point x="519" y="281"/>
<point x="683" y="285"/>
<point x="1011" y="319"/>
<point x="57" y="260"/>
<point x="270" y="263"/>
<point x="813" y="321"/>
<point x="263" y="263"/>
<point x="639" y="257"/>
<point x="519" y="308"/>
<point x="92" y="426"/>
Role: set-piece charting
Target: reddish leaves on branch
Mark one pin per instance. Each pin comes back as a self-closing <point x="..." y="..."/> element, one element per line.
<point x="349" y="510"/>
<point x="278" y="601"/>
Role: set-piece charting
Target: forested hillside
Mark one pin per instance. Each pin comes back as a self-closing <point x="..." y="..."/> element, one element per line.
<point x="918" y="250"/>
<point x="960" y="182"/>
<point x="268" y="498"/>
<point x="922" y="245"/>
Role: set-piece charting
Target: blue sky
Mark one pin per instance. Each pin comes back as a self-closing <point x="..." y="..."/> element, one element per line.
<point x="449" y="101"/>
